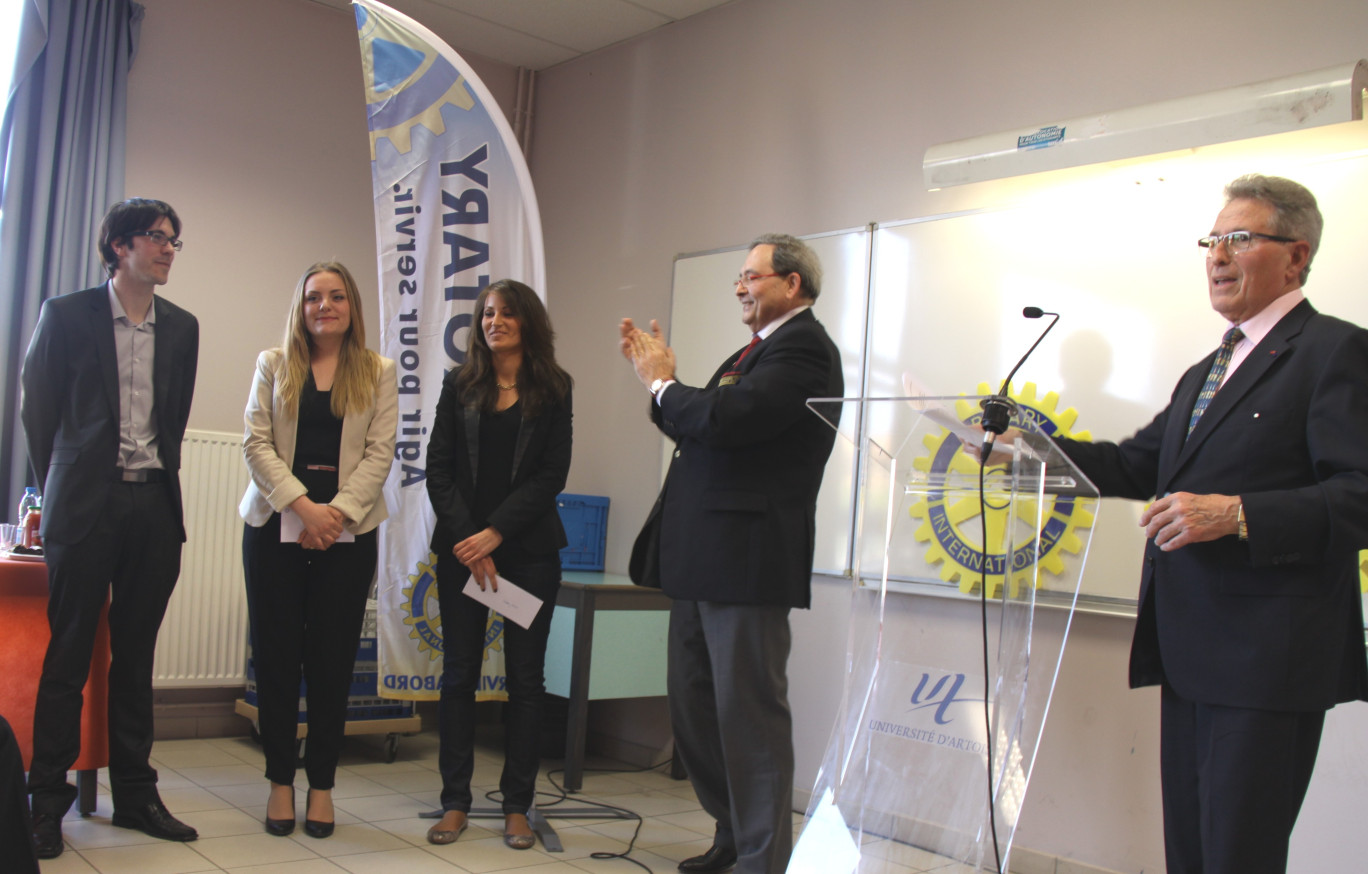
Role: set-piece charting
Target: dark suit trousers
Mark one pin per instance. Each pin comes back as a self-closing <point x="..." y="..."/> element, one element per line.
<point x="1233" y="783"/>
<point x="728" y="694"/>
<point x="463" y="644"/>
<point x="132" y="554"/>
<point x="307" y="607"/>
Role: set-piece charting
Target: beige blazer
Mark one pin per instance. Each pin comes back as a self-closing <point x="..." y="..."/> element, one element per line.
<point x="367" y="451"/>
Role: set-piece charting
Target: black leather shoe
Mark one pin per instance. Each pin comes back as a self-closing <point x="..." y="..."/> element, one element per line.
<point x="714" y="861"/>
<point x="155" y="820"/>
<point x="47" y="836"/>
<point x="281" y="827"/>
<point x="317" y="828"/>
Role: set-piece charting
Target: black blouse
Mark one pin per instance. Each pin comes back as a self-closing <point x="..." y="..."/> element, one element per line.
<point x="318" y="443"/>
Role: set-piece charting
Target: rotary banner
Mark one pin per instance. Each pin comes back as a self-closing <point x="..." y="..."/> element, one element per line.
<point x="454" y="208"/>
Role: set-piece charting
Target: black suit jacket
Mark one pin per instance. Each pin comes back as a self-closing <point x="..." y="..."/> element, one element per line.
<point x="1276" y="622"/>
<point x="70" y="404"/>
<point x="741" y="499"/>
<point x="527" y="518"/>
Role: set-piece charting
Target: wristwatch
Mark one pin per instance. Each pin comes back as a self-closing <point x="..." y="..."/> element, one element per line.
<point x="657" y="385"/>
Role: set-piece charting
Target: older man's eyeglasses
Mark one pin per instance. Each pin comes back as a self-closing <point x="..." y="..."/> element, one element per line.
<point x="749" y="279"/>
<point x="159" y="239"/>
<point x="1238" y="241"/>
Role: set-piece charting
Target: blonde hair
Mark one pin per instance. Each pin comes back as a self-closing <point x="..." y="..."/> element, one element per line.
<point x="358" y="368"/>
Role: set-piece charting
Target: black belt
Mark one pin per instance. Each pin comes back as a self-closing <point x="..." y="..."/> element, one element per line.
<point x="141" y="475"/>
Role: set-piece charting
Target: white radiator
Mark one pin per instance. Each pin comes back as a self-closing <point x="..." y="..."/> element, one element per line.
<point x="203" y="640"/>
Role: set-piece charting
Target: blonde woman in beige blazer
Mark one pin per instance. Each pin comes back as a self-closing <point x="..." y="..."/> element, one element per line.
<point x="319" y="442"/>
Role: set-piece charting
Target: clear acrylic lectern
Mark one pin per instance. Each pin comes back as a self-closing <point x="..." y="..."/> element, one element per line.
<point x="908" y="757"/>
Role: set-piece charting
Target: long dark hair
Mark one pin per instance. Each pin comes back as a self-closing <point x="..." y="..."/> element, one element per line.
<point x="541" y="381"/>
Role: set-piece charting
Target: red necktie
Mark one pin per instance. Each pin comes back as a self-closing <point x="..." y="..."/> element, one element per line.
<point x="755" y="340"/>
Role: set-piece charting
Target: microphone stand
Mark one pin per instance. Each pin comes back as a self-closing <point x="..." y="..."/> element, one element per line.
<point x="997" y="415"/>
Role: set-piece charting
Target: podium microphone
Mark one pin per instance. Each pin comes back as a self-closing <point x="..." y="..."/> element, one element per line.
<point x="997" y="415"/>
<point x="998" y="409"/>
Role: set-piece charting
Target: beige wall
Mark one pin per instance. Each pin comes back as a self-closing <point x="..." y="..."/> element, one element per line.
<point x="795" y="115"/>
<point x="249" y="118"/>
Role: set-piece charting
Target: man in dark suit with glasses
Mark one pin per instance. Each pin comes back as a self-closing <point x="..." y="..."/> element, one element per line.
<point x="1250" y="618"/>
<point x="736" y="547"/>
<point x="106" y="391"/>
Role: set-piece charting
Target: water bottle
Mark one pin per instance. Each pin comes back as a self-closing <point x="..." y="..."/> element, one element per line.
<point x="27" y="504"/>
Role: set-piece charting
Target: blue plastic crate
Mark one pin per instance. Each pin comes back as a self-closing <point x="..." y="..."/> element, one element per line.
<point x="585" y="518"/>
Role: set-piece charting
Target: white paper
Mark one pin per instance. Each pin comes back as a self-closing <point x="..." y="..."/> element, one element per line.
<point x="291" y="526"/>
<point x="825" y="846"/>
<point x="511" y="600"/>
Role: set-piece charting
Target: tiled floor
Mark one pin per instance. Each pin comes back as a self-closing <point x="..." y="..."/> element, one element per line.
<point x="217" y="787"/>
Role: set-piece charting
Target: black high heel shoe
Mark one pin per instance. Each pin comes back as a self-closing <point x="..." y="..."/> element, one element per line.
<point x="316" y="828"/>
<point x="281" y="827"/>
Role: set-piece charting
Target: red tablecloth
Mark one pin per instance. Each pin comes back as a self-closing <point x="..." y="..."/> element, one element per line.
<point x="23" y="642"/>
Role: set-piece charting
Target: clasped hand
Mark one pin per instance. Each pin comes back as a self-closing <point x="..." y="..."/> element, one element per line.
<point x="323" y="523"/>
<point x="474" y="553"/>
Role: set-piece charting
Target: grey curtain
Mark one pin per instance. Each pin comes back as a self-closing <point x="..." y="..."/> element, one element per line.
<point x="61" y="167"/>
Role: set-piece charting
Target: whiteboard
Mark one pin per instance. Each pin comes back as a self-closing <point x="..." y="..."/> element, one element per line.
<point x="943" y="296"/>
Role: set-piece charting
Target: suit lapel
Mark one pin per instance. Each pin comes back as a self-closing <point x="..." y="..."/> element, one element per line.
<point x="102" y="330"/>
<point x="1249" y="374"/>
<point x="520" y="448"/>
<point x="472" y="433"/>
<point x="766" y="344"/>
<point x="162" y="330"/>
<point x="727" y="367"/>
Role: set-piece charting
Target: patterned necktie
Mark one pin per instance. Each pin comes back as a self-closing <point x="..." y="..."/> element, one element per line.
<point x="1213" y="380"/>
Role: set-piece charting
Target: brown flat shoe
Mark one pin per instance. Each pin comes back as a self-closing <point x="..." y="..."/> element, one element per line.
<point x="518" y="840"/>
<point x="439" y="835"/>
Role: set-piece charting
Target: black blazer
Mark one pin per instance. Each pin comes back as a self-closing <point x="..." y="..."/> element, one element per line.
<point x="1276" y="622"/>
<point x="527" y="518"/>
<point x="70" y="404"/>
<point x="741" y="501"/>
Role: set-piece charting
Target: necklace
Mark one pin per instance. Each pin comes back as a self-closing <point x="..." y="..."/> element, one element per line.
<point x="505" y="387"/>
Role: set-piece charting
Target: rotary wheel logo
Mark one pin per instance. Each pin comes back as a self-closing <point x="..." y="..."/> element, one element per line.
<point x="952" y="528"/>
<point x="424" y="614"/>
<point x="407" y="82"/>
<point x="425" y="618"/>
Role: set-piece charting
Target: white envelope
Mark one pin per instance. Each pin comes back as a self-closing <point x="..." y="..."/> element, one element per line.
<point x="511" y="600"/>
<point x="291" y="526"/>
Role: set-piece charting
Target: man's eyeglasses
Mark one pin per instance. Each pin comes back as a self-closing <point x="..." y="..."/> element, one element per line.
<point x="159" y="239"/>
<point x="1239" y="241"/>
<point x="749" y="279"/>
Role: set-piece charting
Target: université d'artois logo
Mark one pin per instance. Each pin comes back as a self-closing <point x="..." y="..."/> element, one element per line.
<point x="952" y="528"/>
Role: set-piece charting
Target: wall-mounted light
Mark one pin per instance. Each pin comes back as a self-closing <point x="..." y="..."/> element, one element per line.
<point x="1307" y="100"/>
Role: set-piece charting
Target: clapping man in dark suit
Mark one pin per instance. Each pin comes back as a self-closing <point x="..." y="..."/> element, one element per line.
<point x="1250" y="617"/>
<point x="107" y="383"/>
<point x="736" y="547"/>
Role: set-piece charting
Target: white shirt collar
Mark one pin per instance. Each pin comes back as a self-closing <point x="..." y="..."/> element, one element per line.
<point x="775" y="324"/>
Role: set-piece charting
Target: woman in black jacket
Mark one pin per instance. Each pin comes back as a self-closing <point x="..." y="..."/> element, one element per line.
<point x="497" y="459"/>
